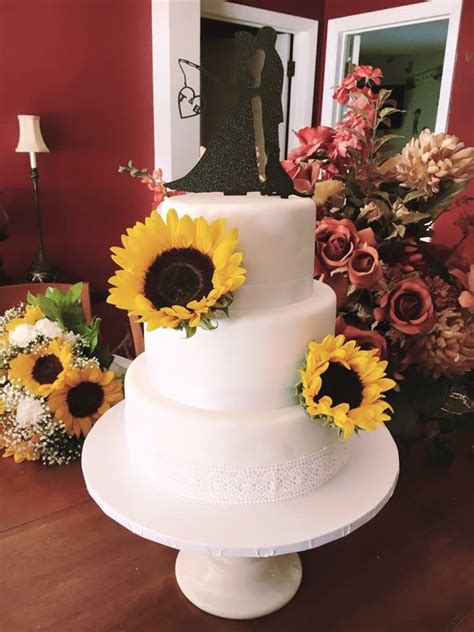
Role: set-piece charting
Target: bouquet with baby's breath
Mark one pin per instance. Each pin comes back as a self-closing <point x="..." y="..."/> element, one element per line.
<point x="55" y="380"/>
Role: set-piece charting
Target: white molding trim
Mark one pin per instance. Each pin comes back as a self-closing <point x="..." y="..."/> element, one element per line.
<point x="176" y="140"/>
<point x="339" y="29"/>
<point x="305" y="41"/>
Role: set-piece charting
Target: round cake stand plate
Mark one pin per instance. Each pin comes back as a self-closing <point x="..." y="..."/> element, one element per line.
<point x="238" y="562"/>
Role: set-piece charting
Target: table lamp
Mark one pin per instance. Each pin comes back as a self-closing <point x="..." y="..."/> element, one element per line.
<point x="31" y="142"/>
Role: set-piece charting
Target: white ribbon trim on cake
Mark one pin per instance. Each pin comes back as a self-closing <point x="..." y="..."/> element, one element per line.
<point x="273" y="294"/>
<point x="250" y="485"/>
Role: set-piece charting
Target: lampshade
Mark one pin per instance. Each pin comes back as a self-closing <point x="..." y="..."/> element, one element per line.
<point x="30" y="139"/>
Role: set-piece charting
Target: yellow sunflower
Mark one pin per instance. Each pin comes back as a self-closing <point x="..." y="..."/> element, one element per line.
<point x="23" y="451"/>
<point x="176" y="273"/>
<point x="343" y="385"/>
<point x="42" y="370"/>
<point x="84" y="396"/>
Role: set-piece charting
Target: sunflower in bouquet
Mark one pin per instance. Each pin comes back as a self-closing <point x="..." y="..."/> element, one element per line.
<point x="399" y="294"/>
<point x="55" y="380"/>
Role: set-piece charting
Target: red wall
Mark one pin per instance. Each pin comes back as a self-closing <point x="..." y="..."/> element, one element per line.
<point x="461" y="124"/>
<point x="85" y="68"/>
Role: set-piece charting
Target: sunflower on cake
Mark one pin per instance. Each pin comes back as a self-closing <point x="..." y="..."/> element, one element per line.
<point x="233" y="320"/>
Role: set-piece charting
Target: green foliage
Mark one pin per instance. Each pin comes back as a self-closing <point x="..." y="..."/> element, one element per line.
<point x="405" y="416"/>
<point x="419" y="414"/>
<point x="206" y="322"/>
<point x="65" y="309"/>
<point x="133" y="170"/>
<point x="379" y="142"/>
<point x="440" y="449"/>
<point x="442" y="200"/>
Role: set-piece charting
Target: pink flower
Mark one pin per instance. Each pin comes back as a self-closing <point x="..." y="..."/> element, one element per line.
<point x="304" y="175"/>
<point x="365" y="269"/>
<point x="343" y="141"/>
<point x="365" y="338"/>
<point x="367" y="104"/>
<point x="408" y="307"/>
<point x="368" y="73"/>
<point x="343" y="90"/>
<point x="155" y="183"/>
<point x="348" y="86"/>
<point x="311" y="140"/>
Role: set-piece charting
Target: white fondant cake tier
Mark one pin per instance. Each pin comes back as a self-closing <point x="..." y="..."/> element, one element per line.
<point x="250" y="362"/>
<point x="226" y="457"/>
<point x="276" y="237"/>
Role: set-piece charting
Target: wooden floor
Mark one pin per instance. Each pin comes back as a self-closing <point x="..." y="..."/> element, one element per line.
<point x="64" y="566"/>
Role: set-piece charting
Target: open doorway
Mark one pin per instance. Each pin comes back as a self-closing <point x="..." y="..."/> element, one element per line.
<point x="411" y="58"/>
<point x="414" y="45"/>
<point x="217" y="87"/>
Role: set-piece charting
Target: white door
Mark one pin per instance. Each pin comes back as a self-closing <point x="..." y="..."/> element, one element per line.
<point x="176" y="36"/>
<point x="425" y="32"/>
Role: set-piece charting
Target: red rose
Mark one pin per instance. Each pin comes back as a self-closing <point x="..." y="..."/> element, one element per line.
<point x="365" y="338"/>
<point x="365" y="269"/>
<point x="311" y="139"/>
<point x="408" y="307"/>
<point x="335" y="242"/>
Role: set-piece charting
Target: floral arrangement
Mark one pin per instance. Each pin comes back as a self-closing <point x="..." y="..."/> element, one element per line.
<point x="154" y="182"/>
<point x="398" y="293"/>
<point x="180" y="273"/>
<point x="54" y="379"/>
<point x="343" y="385"/>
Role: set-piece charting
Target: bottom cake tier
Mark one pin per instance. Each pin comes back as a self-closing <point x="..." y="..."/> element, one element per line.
<point x="226" y="458"/>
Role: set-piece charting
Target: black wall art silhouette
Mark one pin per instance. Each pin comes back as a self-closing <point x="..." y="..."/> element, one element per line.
<point x="243" y="154"/>
<point x="190" y="102"/>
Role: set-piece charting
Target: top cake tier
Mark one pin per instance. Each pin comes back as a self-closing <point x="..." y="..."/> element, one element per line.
<point x="276" y="237"/>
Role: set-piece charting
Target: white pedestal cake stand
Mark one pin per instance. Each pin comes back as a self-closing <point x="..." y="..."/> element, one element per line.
<point x="238" y="562"/>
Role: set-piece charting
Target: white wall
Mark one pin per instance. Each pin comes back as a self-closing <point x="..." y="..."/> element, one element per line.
<point x="425" y="96"/>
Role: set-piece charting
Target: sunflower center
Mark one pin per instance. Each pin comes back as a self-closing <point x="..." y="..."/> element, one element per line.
<point x="341" y="385"/>
<point x="178" y="276"/>
<point x="85" y="399"/>
<point x="46" y="369"/>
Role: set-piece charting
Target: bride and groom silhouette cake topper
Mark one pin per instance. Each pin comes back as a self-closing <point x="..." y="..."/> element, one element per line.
<point x="243" y="154"/>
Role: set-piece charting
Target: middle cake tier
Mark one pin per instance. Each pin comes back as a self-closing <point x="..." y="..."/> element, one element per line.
<point x="249" y="363"/>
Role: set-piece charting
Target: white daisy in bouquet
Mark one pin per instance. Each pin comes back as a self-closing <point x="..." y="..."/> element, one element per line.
<point x="55" y="380"/>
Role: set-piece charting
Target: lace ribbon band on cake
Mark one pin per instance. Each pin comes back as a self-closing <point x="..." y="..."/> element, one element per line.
<point x="274" y="294"/>
<point x="251" y="485"/>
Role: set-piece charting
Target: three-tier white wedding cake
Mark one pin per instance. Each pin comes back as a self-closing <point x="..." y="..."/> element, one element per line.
<point x="213" y="418"/>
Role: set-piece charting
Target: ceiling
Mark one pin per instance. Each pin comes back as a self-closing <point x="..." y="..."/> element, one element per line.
<point x="406" y="39"/>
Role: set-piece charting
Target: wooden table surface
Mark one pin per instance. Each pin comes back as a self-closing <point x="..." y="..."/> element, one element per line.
<point x="65" y="566"/>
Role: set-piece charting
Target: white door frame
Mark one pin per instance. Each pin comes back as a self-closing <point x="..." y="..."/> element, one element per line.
<point x="340" y="29"/>
<point x="176" y="141"/>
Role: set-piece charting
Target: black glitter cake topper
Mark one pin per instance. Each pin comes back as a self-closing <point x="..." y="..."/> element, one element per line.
<point x="244" y="153"/>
